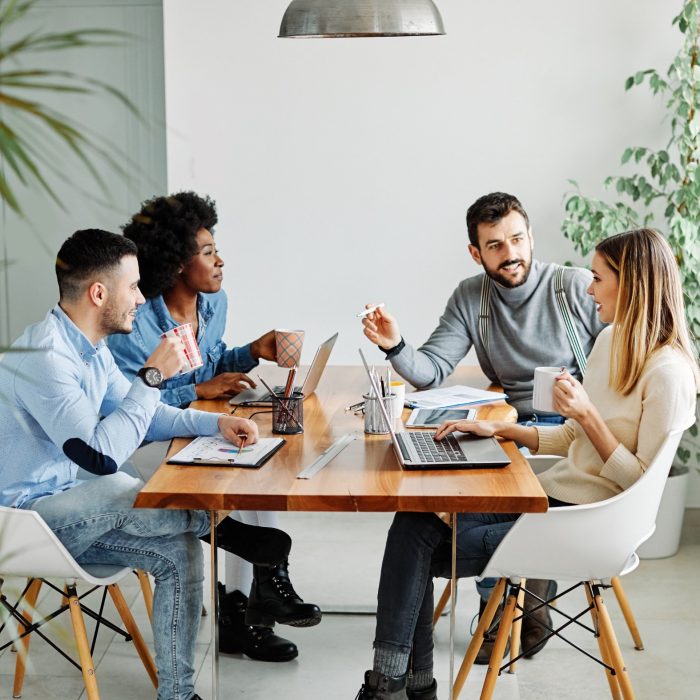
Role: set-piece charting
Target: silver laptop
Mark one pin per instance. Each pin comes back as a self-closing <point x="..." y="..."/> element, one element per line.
<point x="261" y="397"/>
<point x="417" y="449"/>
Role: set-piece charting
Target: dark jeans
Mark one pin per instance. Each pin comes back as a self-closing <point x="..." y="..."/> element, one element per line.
<point x="418" y="548"/>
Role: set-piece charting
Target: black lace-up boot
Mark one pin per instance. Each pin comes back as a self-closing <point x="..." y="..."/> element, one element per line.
<point x="273" y="599"/>
<point x="484" y="655"/>
<point x="534" y="634"/>
<point x="380" y="687"/>
<point x="429" y="693"/>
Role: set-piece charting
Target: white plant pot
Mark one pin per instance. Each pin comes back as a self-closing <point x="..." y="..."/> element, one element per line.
<point x="669" y="522"/>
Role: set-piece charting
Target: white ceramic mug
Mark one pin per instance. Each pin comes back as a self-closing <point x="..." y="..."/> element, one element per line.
<point x="543" y="390"/>
<point x="398" y="389"/>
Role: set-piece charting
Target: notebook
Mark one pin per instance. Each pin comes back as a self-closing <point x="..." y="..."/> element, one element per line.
<point x="418" y="450"/>
<point x="261" y="397"/>
<point x="216" y="450"/>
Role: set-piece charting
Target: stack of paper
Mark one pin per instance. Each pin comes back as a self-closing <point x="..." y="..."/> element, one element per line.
<point x="452" y="396"/>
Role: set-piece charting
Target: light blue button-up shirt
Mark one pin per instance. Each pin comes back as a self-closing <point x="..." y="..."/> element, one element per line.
<point x="64" y="404"/>
<point x="153" y="319"/>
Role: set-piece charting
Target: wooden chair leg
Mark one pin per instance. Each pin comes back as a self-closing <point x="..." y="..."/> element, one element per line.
<point x="517" y="627"/>
<point x="610" y="640"/>
<point x="627" y="612"/>
<point x="603" y="647"/>
<point x="147" y="592"/>
<point x="442" y="602"/>
<point x="478" y="637"/>
<point x="499" y="647"/>
<point x="22" y="645"/>
<point x="133" y="630"/>
<point x="81" y="640"/>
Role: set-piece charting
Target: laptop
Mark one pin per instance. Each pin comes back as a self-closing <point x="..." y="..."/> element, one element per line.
<point x="261" y="396"/>
<point x="417" y="449"/>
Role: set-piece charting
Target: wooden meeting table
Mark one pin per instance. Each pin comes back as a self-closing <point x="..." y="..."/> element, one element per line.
<point x="365" y="476"/>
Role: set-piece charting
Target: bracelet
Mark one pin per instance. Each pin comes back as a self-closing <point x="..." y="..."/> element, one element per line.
<point x="392" y="352"/>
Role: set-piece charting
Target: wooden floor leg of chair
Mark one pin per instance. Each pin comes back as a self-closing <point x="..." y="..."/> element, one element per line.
<point x="22" y="646"/>
<point x="133" y="630"/>
<point x="627" y="612"/>
<point x="499" y="647"/>
<point x="603" y="647"/>
<point x="478" y="637"/>
<point x="608" y="633"/>
<point x="442" y="602"/>
<point x="147" y="592"/>
<point x="515" y="631"/>
<point x="81" y="640"/>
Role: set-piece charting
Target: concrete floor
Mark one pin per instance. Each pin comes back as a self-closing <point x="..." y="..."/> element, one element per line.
<point x="335" y="562"/>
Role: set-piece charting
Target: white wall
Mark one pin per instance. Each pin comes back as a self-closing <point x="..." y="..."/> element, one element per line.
<point x="342" y="169"/>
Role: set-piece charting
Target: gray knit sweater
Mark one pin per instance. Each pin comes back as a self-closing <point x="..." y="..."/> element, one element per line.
<point x="526" y="330"/>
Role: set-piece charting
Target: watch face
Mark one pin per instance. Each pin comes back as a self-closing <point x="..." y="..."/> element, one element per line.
<point x="153" y="377"/>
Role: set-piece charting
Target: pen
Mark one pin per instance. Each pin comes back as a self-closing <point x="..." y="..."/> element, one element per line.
<point x="243" y="437"/>
<point x="355" y="406"/>
<point x="369" y="311"/>
<point x="289" y="386"/>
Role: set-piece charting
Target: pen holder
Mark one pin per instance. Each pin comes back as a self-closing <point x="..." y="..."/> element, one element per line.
<point x="374" y="419"/>
<point x="288" y="414"/>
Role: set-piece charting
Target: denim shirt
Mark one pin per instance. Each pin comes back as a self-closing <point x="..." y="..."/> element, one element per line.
<point x="153" y="319"/>
<point x="64" y="404"/>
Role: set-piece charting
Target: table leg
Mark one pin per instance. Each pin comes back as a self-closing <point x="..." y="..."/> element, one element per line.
<point x="214" y="617"/>
<point x="453" y="601"/>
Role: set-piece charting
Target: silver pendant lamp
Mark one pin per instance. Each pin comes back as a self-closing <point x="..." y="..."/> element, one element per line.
<point x="360" y="18"/>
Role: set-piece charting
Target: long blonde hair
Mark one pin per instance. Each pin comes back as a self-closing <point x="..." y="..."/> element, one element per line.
<point x="649" y="313"/>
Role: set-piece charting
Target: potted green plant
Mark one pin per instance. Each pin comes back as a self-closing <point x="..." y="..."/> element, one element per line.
<point x="667" y="181"/>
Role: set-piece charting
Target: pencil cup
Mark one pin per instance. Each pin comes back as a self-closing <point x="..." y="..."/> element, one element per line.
<point x="374" y="419"/>
<point x="288" y="414"/>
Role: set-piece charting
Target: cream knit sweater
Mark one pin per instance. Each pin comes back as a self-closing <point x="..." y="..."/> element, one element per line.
<point x="663" y="400"/>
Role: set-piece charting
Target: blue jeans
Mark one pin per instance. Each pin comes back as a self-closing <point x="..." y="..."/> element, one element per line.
<point x="97" y="523"/>
<point x="419" y="548"/>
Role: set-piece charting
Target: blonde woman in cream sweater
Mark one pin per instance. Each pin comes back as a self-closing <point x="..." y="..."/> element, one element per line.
<point x="641" y="383"/>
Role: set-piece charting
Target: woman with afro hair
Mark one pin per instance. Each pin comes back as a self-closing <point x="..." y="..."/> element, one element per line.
<point x="181" y="278"/>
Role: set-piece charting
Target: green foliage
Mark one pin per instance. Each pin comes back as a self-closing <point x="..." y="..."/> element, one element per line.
<point x="35" y="139"/>
<point x="667" y="179"/>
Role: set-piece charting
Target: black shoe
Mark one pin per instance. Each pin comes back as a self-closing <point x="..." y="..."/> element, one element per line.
<point x="273" y="599"/>
<point x="484" y="655"/>
<point x="380" y="687"/>
<point x="265" y="546"/>
<point x="429" y="693"/>
<point x="235" y="637"/>
<point x="534" y="634"/>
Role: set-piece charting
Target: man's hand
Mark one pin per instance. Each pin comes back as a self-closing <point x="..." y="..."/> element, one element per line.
<point x="571" y="399"/>
<point x="224" y="384"/>
<point x="169" y="357"/>
<point x="264" y="348"/>
<point x="231" y="427"/>
<point x="381" y="328"/>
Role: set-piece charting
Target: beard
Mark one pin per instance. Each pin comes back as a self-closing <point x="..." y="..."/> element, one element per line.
<point x="506" y="280"/>
<point x="116" y="320"/>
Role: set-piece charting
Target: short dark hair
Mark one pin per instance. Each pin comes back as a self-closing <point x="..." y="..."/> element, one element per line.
<point x="85" y="255"/>
<point x="165" y="232"/>
<point x="490" y="209"/>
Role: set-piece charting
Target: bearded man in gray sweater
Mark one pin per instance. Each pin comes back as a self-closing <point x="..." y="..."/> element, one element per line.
<point x="518" y="314"/>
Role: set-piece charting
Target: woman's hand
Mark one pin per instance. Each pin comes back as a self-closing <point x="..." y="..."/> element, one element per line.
<point x="233" y="428"/>
<point x="264" y="348"/>
<point x="570" y="398"/>
<point x="483" y="428"/>
<point x="224" y="384"/>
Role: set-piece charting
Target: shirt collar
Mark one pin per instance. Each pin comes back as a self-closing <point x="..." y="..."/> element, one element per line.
<point x="81" y="342"/>
<point x="166" y="322"/>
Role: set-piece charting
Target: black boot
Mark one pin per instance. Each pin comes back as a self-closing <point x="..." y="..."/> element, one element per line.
<point x="380" y="687"/>
<point x="429" y="693"/>
<point x="484" y="655"/>
<point x="235" y="637"/>
<point x="273" y="599"/>
<point x="533" y="636"/>
<point x="266" y="546"/>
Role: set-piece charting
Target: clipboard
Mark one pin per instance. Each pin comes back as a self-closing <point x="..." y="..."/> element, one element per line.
<point x="216" y="451"/>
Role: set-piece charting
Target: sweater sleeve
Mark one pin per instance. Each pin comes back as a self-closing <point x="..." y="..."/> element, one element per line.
<point x="669" y="397"/>
<point x="554" y="439"/>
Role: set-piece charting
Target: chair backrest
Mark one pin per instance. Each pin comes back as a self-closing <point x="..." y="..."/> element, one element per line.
<point x="29" y="548"/>
<point x="592" y="541"/>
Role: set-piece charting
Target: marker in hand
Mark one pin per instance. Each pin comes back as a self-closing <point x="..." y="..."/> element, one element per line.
<point x="243" y="437"/>
<point x="369" y="311"/>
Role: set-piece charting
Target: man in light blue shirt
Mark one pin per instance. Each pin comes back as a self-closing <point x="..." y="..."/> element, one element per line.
<point x="66" y="405"/>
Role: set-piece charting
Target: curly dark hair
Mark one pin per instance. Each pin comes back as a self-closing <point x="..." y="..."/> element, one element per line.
<point x="165" y="231"/>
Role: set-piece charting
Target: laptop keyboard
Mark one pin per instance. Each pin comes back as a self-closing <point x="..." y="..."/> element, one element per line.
<point x="430" y="450"/>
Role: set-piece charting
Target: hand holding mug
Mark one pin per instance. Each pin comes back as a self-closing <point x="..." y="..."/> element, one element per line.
<point x="570" y="398"/>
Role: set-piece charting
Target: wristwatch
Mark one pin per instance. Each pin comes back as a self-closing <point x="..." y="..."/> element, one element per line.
<point x="151" y="376"/>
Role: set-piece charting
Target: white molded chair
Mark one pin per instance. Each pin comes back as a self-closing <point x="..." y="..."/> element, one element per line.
<point x="590" y="544"/>
<point x="29" y="548"/>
